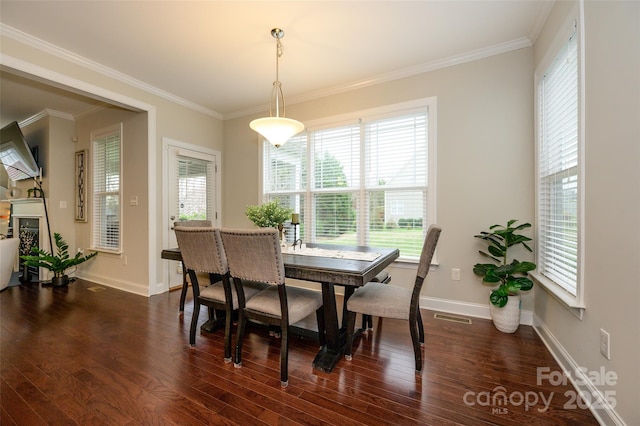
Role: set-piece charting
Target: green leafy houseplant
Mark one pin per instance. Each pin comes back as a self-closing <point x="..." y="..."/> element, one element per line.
<point x="57" y="263"/>
<point x="511" y="277"/>
<point x="270" y="214"/>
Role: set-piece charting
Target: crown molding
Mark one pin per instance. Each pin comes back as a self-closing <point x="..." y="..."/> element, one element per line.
<point x="474" y="55"/>
<point x="47" y="112"/>
<point x="52" y="49"/>
<point x="399" y="74"/>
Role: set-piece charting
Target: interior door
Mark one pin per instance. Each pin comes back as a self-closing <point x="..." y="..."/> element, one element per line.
<point x="192" y="194"/>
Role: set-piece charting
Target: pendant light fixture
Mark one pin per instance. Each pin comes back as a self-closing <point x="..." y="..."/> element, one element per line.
<point x="278" y="129"/>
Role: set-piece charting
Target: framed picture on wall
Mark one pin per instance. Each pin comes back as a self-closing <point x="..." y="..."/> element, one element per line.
<point x="81" y="186"/>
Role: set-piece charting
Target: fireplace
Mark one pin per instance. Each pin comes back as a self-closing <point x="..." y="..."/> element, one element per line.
<point x="28" y="216"/>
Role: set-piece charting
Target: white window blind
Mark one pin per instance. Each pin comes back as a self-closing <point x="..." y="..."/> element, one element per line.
<point x="287" y="169"/>
<point x="336" y="179"/>
<point x="367" y="183"/>
<point x="558" y="160"/>
<point x="107" y="203"/>
<point x="396" y="181"/>
<point x="286" y="178"/>
<point x="195" y="177"/>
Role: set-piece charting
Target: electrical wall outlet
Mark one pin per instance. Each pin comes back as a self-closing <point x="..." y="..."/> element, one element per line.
<point x="455" y="274"/>
<point x="605" y="344"/>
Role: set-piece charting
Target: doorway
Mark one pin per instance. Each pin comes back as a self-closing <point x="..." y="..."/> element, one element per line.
<point x="192" y="191"/>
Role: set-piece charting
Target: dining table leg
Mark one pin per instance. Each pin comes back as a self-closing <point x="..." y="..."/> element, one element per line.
<point x="335" y="333"/>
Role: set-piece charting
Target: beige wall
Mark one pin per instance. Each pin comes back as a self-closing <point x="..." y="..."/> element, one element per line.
<point x="61" y="179"/>
<point x="612" y="201"/>
<point x="484" y="151"/>
<point x="58" y="181"/>
<point x="165" y="119"/>
<point x="122" y="269"/>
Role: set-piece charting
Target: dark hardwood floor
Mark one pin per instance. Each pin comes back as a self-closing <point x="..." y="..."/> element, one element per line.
<point x="89" y="354"/>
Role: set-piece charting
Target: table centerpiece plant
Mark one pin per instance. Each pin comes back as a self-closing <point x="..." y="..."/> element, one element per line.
<point x="269" y="214"/>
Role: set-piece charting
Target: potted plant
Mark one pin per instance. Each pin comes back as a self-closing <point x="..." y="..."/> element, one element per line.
<point x="57" y="263"/>
<point x="269" y="214"/>
<point x="511" y="277"/>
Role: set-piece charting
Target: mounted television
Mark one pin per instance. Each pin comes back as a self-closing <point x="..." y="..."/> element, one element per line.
<point x="16" y="155"/>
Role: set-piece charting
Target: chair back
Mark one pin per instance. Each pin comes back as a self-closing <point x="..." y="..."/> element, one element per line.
<point x="428" y="248"/>
<point x="201" y="249"/>
<point x="254" y="254"/>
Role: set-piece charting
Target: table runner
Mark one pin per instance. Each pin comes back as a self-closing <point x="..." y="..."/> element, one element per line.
<point x="336" y="254"/>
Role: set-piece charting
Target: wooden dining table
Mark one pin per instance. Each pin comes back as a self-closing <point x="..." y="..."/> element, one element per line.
<point x="330" y="270"/>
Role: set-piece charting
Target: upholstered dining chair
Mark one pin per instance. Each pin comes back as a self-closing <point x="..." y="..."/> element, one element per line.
<point x="388" y="301"/>
<point x="202" y="252"/>
<point x="255" y="255"/>
<point x="185" y="282"/>
<point x="385" y="278"/>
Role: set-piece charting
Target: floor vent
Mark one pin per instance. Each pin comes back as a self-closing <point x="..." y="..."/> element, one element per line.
<point x="453" y="318"/>
<point x="96" y="289"/>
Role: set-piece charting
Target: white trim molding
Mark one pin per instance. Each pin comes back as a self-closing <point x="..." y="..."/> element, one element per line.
<point x="476" y="310"/>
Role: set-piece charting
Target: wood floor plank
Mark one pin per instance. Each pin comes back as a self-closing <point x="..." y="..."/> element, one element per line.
<point x="75" y="356"/>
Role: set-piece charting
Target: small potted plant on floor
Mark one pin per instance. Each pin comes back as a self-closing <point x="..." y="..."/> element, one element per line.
<point x="510" y="276"/>
<point x="57" y="263"/>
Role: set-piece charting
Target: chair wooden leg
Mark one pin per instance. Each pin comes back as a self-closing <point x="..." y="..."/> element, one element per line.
<point x="413" y="328"/>
<point x="367" y="322"/>
<point x="196" y="309"/>
<point x="194" y="323"/>
<point x="420" y="329"/>
<point x="227" y="335"/>
<point x="284" y="357"/>
<point x="239" y="338"/>
<point x="185" y="287"/>
<point x="351" y="325"/>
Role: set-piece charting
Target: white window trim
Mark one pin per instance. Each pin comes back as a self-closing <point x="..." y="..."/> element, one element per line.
<point x="575" y="304"/>
<point x="430" y="104"/>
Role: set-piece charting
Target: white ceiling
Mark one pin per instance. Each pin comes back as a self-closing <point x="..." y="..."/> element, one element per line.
<point x="219" y="56"/>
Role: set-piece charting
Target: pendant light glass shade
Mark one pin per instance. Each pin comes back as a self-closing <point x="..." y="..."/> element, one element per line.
<point x="277" y="130"/>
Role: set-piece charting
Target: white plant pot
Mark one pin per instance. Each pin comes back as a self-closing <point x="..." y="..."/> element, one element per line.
<point x="507" y="318"/>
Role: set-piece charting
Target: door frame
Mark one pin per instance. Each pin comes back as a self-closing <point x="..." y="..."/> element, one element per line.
<point x="216" y="221"/>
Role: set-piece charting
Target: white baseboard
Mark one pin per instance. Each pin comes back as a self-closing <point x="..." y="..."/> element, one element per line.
<point x="476" y="310"/>
<point x="128" y="286"/>
<point x="605" y="414"/>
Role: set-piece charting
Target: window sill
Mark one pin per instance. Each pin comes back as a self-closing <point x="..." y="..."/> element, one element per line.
<point x="412" y="264"/>
<point x="570" y="302"/>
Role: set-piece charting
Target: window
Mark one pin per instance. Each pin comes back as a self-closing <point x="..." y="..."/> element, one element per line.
<point x="107" y="191"/>
<point x="558" y="175"/>
<point x="195" y="179"/>
<point x="365" y="179"/>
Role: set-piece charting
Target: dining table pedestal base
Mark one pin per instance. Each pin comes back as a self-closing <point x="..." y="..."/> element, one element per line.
<point x="327" y="359"/>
